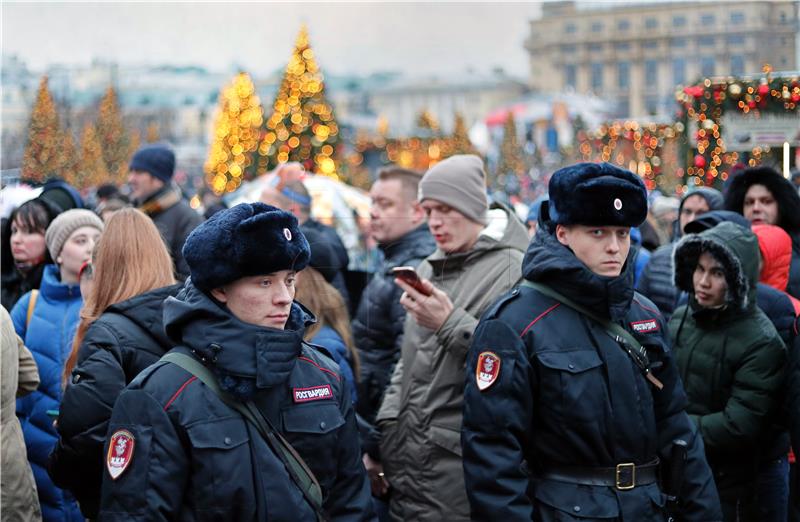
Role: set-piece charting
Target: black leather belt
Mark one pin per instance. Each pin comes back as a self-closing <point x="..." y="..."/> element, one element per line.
<point x="622" y="476"/>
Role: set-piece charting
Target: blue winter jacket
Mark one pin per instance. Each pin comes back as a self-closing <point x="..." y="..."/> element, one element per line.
<point x="49" y="337"/>
<point x="329" y="339"/>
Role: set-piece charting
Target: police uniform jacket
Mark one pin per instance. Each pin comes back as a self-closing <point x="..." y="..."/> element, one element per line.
<point x="195" y="458"/>
<point x="566" y="394"/>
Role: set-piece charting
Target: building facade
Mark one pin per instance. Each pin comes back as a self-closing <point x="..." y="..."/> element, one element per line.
<point x="636" y="55"/>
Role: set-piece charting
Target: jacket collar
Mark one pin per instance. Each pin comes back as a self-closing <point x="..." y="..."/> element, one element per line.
<point x="416" y="243"/>
<point x="164" y="198"/>
<point x="54" y="289"/>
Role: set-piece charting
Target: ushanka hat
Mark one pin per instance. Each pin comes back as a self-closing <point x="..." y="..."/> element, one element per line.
<point x="597" y="194"/>
<point x="246" y="240"/>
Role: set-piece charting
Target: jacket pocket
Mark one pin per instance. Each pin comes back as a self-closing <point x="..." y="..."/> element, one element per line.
<point x="446" y="438"/>
<point x="563" y="502"/>
<point x="572" y="384"/>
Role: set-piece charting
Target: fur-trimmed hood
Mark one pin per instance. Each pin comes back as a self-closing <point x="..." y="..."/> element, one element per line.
<point x="781" y="188"/>
<point x="735" y="248"/>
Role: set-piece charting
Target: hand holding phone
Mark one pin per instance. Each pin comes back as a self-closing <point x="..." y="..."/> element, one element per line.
<point x="409" y="275"/>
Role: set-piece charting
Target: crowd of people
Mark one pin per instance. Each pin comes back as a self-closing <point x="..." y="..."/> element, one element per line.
<point x="616" y="355"/>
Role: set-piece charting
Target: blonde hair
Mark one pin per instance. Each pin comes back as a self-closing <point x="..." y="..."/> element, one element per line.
<point x="327" y="304"/>
<point x="130" y="259"/>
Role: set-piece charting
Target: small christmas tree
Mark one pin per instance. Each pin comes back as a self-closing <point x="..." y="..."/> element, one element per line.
<point x="511" y="162"/>
<point x="92" y="166"/>
<point x="302" y="126"/>
<point x="70" y="169"/>
<point x="42" y="155"/>
<point x="427" y="122"/>
<point x="113" y="138"/>
<point x="236" y="133"/>
<point x="459" y="141"/>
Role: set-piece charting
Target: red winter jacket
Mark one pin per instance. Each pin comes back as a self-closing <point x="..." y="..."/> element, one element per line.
<point x="776" y="252"/>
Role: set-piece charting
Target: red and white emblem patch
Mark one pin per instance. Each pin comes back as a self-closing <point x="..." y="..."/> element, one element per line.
<point x="488" y="370"/>
<point x="120" y="452"/>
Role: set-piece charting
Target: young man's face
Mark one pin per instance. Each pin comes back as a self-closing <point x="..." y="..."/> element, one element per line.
<point x="452" y="230"/>
<point x="393" y="213"/>
<point x="602" y="249"/>
<point x="143" y="184"/>
<point x="260" y="300"/>
<point x="760" y="207"/>
<point x="693" y="207"/>
<point x="708" y="281"/>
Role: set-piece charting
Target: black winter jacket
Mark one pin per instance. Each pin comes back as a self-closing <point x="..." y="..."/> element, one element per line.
<point x="378" y="323"/>
<point x="119" y="345"/>
<point x="566" y="394"/>
<point x="195" y="458"/>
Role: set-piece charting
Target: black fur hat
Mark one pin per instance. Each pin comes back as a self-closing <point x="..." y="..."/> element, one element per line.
<point x="246" y="240"/>
<point x="781" y="189"/>
<point x="597" y="194"/>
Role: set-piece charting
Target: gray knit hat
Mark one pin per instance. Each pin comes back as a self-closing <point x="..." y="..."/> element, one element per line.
<point x="65" y="224"/>
<point x="459" y="182"/>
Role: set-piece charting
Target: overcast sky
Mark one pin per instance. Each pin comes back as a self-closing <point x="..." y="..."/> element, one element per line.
<point x="417" y="38"/>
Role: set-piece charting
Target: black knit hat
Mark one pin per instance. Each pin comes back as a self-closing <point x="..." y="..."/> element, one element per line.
<point x="246" y="240"/>
<point x="156" y="159"/>
<point x="323" y="257"/>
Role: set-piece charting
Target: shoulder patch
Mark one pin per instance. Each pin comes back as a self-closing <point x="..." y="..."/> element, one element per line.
<point x="120" y="452"/>
<point x="487" y="370"/>
<point x="313" y="393"/>
<point x="645" y="326"/>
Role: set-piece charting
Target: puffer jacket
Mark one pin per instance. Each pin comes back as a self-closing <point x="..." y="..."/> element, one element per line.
<point x="378" y="323"/>
<point x="420" y="418"/>
<point x="19" y="378"/>
<point x="776" y="255"/>
<point x="49" y="338"/>
<point x="196" y="458"/>
<point x="731" y="360"/>
<point x="566" y="394"/>
<point x="119" y="345"/>
<point x="330" y="340"/>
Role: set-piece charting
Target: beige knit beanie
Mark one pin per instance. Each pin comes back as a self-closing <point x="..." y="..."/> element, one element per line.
<point x="459" y="182"/>
<point x="65" y="224"/>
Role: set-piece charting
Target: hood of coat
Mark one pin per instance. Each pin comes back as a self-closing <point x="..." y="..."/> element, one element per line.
<point x="504" y="231"/>
<point x="548" y="261"/>
<point x="776" y="254"/>
<point x="245" y="357"/>
<point x="146" y="311"/>
<point x="735" y="248"/>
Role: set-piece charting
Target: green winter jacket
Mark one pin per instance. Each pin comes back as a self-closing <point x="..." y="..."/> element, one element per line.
<point x="731" y="359"/>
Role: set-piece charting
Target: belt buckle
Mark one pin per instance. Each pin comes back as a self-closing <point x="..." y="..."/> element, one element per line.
<point x="621" y="476"/>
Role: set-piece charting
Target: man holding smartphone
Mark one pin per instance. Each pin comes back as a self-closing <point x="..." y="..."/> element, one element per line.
<point x="478" y="257"/>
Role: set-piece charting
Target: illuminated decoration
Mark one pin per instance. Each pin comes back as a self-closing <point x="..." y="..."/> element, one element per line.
<point x="92" y="170"/>
<point x="302" y="126"/>
<point x="236" y="135"/>
<point x="42" y="156"/>
<point x="460" y="139"/>
<point x="511" y="162"/>
<point x="70" y="161"/>
<point x="152" y="135"/>
<point x="647" y="149"/>
<point x="704" y="104"/>
<point x="113" y="138"/>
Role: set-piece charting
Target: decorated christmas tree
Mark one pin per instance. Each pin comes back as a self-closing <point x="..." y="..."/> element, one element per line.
<point x="70" y="169"/>
<point x="302" y="126"/>
<point x="92" y="167"/>
<point x="42" y="155"/>
<point x="152" y="135"/>
<point x="236" y="133"/>
<point x="427" y="122"/>
<point x="511" y="162"/>
<point x="113" y="137"/>
<point x="459" y="141"/>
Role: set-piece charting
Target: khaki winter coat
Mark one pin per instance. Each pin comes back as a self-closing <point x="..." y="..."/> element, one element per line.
<point x="420" y="417"/>
<point x="19" y="377"/>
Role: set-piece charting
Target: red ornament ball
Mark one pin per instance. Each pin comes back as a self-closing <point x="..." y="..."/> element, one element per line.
<point x="700" y="161"/>
<point x="763" y="89"/>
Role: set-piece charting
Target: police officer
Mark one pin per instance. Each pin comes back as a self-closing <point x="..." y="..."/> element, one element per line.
<point x="265" y="421"/>
<point x="572" y="397"/>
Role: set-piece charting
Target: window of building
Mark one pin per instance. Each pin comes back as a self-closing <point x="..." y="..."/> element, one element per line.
<point x="568" y="49"/>
<point x="651" y="71"/>
<point x="783" y="18"/>
<point x="707" y="65"/>
<point x="622" y="46"/>
<point x="597" y="76"/>
<point x="595" y="47"/>
<point x="570" y="75"/>
<point x="678" y="21"/>
<point x="737" y="65"/>
<point x="677" y="43"/>
<point x="623" y="107"/>
<point x="736" y="39"/>
<point x="737" y="18"/>
<point x="650" y="23"/>
<point x="650" y="44"/>
<point x="597" y="27"/>
<point x="570" y="28"/>
<point x="623" y="25"/>
<point x="624" y="75"/>
<point x="707" y="19"/>
<point x="651" y="105"/>
<point x="705" y="41"/>
<point x="678" y="71"/>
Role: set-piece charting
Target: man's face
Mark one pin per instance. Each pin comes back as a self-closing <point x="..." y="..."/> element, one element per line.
<point x="453" y="231"/>
<point x="708" y="281"/>
<point x="143" y="184"/>
<point x="393" y="212"/>
<point x="260" y="300"/>
<point x="602" y="249"/>
<point x="760" y="207"/>
<point x="693" y="207"/>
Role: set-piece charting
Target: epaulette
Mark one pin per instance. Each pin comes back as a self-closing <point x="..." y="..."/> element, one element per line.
<point x="321" y="349"/>
<point x="501" y="302"/>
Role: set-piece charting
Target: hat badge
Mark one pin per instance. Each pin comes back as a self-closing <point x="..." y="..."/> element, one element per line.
<point x="287" y="234"/>
<point x="617" y="204"/>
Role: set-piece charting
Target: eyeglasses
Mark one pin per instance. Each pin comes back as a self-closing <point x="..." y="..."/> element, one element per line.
<point x="86" y="270"/>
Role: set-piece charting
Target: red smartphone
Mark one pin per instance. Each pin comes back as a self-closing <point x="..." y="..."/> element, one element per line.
<point x="409" y="275"/>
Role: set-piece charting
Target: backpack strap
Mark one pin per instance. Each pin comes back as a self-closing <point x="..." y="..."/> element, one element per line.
<point x="299" y="471"/>
<point x="623" y="338"/>
<point x="31" y="306"/>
